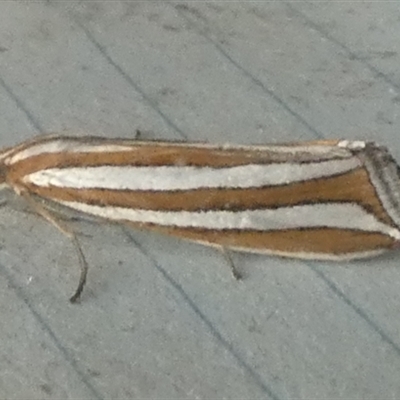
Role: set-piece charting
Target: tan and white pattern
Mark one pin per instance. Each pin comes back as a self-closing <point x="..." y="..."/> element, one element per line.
<point x="324" y="199"/>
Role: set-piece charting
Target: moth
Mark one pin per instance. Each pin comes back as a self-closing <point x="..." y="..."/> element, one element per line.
<point x="332" y="199"/>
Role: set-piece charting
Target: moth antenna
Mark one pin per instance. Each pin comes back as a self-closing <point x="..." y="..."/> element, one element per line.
<point x="48" y="216"/>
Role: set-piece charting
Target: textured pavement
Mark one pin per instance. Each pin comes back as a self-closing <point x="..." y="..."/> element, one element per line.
<point x="161" y="318"/>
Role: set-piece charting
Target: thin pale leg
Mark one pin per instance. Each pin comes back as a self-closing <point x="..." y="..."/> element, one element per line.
<point x="235" y="273"/>
<point x="48" y="216"/>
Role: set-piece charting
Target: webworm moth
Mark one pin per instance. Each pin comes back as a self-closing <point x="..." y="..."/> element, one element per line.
<point x="332" y="199"/>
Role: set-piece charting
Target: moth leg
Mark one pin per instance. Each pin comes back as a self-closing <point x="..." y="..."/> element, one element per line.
<point x="143" y="135"/>
<point x="138" y="134"/>
<point x="48" y="216"/>
<point x="235" y="273"/>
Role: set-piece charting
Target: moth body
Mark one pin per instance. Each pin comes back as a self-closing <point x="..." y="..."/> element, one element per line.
<point x="319" y="200"/>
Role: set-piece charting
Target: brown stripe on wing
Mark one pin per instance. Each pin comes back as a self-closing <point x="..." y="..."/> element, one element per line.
<point x="353" y="186"/>
<point x="329" y="241"/>
<point x="155" y="155"/>
<point x="143" y="156"/>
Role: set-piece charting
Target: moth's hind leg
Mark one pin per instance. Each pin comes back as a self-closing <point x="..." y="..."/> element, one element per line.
<point x="234" y="271"/>
<point x="48" y="216"/>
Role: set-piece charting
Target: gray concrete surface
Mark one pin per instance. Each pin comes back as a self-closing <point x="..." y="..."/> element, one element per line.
<point x="162" y="318"/>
